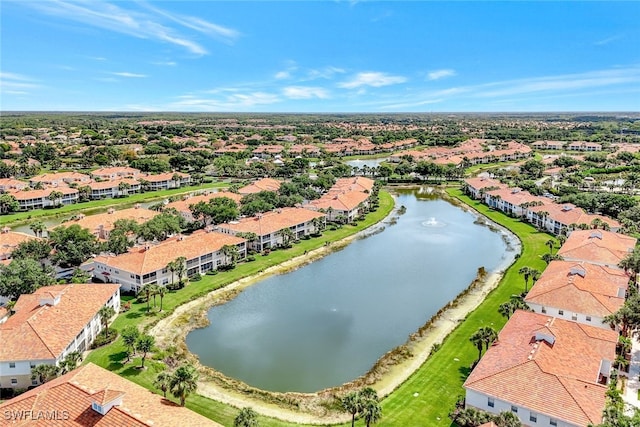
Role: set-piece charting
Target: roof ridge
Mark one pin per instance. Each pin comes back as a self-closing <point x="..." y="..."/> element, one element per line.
<point x="28" y="322"/>
<point x="573" y="398"/>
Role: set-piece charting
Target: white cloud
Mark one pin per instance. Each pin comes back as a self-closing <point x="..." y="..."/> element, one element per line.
<point x="607" y="40"/>
<point x="374" y="79"/>
<point x="129" y="75"/>
<point x="281" y="75"/>
<point x="165" y="63"/>
<point x="305" y="92"/>
<point x="440" y="74"/>
<point x="150" y="25"/>
<point x="231" y="102"/>
<point x="13" y="83"/>
<point x="324" y="73"/>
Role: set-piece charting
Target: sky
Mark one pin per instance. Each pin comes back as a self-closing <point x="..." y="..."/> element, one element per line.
<point x="319" y="56"/>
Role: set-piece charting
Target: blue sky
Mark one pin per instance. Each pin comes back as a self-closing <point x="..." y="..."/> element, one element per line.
<point x="319" y="56"/>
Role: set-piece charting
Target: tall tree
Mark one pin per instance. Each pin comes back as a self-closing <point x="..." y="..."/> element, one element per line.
<point x="351" y="404"/>
<point x="44" y="373"/>
<point x="23" y="276"/>
<point x="106" y="313"/>
<point x="144" y="344"/>
<point x="38" y="228"/>
<point x="73" y="245"/>
<point x="8" y="203"/>
<point x="130" y="335"/>
<point x="163" y="382"/>
<point x="184" y="382"/>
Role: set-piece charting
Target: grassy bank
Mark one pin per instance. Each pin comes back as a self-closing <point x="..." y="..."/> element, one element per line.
<point x="95" y="206"/>
<point x="113" y="356"/>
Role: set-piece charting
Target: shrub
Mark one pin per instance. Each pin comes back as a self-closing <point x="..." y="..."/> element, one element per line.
<point x="212" y="272"/>
<point x="251" y="258"/>
<point x="104" y="339"/>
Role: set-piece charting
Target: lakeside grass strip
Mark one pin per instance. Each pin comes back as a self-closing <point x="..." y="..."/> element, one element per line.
<point x="113" y="356"/>
<point x="96" y="206"/>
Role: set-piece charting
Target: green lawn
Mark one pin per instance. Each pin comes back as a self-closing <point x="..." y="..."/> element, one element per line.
<point x="439" y="380"/>
<point x="101" y="205"/>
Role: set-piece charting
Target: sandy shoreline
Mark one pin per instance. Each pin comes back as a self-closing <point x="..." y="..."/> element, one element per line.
<point x="173" y="329"/>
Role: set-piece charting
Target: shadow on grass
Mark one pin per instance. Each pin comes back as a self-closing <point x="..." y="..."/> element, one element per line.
<point x="465" y="371"/>
<point x="132" y="371"/>
<point x="133" y="315"/>
<point x="116" y="360"/>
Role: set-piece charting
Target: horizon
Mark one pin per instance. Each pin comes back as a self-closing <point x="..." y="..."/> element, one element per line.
<point x="339" y="57"/>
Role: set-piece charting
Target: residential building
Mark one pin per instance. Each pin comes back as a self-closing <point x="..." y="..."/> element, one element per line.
<point x="102" y="224"/>
<point x="548" y="145"/>
<point x="268" y="226"/>
<point x="560" y="218"/>
<point x="267" y="151"/>
<point x="114" y="188"/>
<point x="9" y="240"/>
<point x="10" y="184"/>
<point x="341" y="206"/>
<point x="38" y="199"/>
<point x="513" y="200"/>
<point x="265" y="184"/>
<point x="147" y="264"/>
<point x="548" y="371"/>
<point x="49" y="324"/>
<point x="598" y="247"/>
<point x="476" y="187"/>
<point x="93" y="396"/>
<point x="165" y="181"/>
<point x="579" y="291"/>
<point x="584" y="146"/>
<point x="60" y="179"/>
<point x="112" y="173"/>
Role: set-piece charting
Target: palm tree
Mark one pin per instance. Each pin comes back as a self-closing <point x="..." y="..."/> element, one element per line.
<point x="161" y="293"/>
<point x="287" y="236"/>
<point x="147" y="290"/>
<point x="44" y="373"/>
<point x="38" y="228"/>
<point x="478" y="340"/>
<point x="507" y="419"/>
<point x="246" y="418"/>
<point x="130" y="335"/>
<point x="145" y="345"/>
<point x="184" y="382"/>
<point x="230" y="251"/>
<point x="489" y="335"/>
<point x="351" y="404"/>
<point x="526" y="273"/>
<point x="506" y="309"/>
<point x="55" y="197"/>
<point x="106" y="313"/>
<point x="172" y="267"/>
<point x="180" y="267"/>
<point x="162" y="381"/>
<point x="550" y="243"/>
<point x="371" y="411"/>
<point x="70" y="362"/>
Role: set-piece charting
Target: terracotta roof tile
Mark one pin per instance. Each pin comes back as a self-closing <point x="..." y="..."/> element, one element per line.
<point x="265" y="184"/>
<point x="580" y="288"/>
<point x="106" y="221"/>
<point x="71" y="396"/>
<point x="141" y="260"/>
<point x="44" y="332"/>
<point x="598" y="246"/>
<point x="271" y="222"/>
<point x="558" y="379"/>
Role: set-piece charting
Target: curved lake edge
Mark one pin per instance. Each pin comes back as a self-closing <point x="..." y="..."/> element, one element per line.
<point x="391" y="369"/>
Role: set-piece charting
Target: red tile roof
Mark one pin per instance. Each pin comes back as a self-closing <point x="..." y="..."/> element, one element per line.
<point x="558" y="379"/>
<point x="70" y="396"/>
<point x="580" y="287"/>
<point x="597" y="246"/>
<point x="9" y="240"/>
<point x="265" y="184"/>
<point x="271" y="222"/>
<point x="141" y="260"/>
<point x="44" y="332"/>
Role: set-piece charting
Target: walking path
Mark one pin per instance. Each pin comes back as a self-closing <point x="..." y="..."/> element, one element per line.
<point x="633" y="383"/>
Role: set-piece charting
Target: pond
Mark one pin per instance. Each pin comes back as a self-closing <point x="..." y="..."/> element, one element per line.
<point x="328" y="322"/>
<point x="372" y="163"/>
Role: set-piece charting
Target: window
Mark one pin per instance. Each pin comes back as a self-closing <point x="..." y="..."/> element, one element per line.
<point x="553" y="422"/>
<point x="544" y="310"/>
<point x="34" y="382"/>
<point x="574" y="316"/>
<point x="588" y="318"/>
<point x="514" y="409"/>
<point x="490" y="402"/>
<point x="533" y="417"/>
<point x="12" y="364"/>
<point x="32" y="364"/>
<point x="14" y="381"/>
<point x="561" y="312"/>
